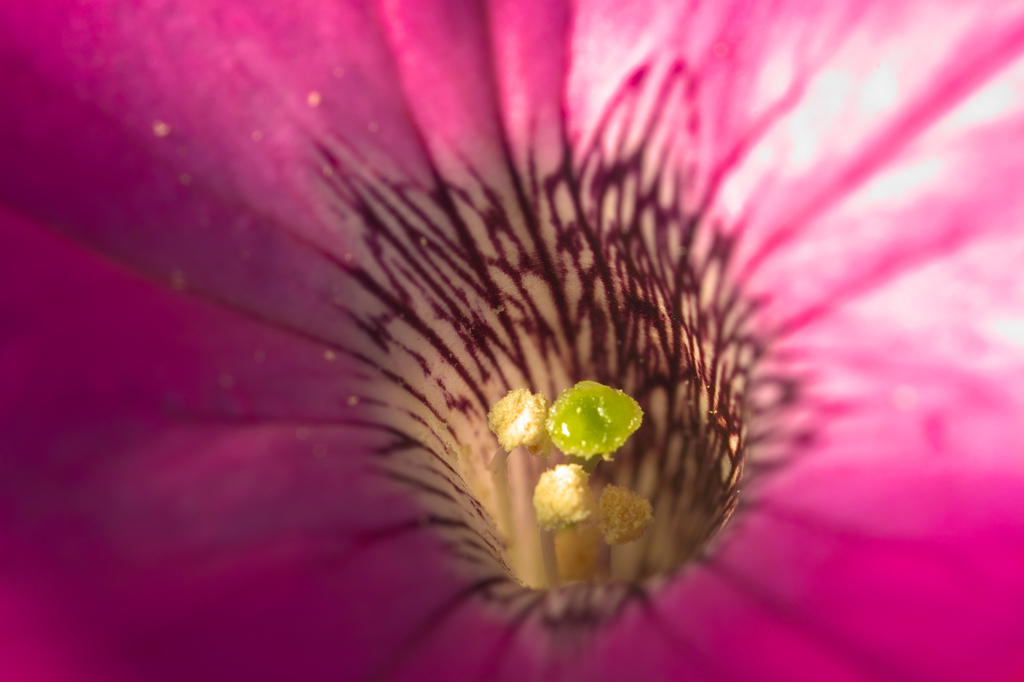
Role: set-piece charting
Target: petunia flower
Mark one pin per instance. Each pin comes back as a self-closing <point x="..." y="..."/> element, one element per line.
<point x="264" y="267"/>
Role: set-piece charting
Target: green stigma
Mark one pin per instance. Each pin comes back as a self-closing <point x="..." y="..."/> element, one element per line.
<point x="592" y="419"/>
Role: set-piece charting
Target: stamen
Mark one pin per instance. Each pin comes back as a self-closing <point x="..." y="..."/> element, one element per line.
<point x="578" y="549"/>
<point x="550" y="558"/>
<point x="562" y="497"/>
<point x="623" y="515"/>
<point x="499" y="473"/>
<point x="518" y="419"/>
<point x="588" y="422"/>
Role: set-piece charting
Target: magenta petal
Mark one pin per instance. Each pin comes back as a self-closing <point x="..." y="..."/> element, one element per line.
<point x="198" y="488"/>
<point x="925" y="591"/>
<point x="226" y="186"/>
<point x="883" y="547"/>
<point x="530" y="43"/>
<point x="190" y="481"/>
<point x="888" y="545"/>
<point x="219" y="187"/>
<point x="484" y="84"/>
<point x="889" y="147"/>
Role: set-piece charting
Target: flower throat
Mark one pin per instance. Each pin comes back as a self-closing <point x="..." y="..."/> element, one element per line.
<point x="600" y="267"/>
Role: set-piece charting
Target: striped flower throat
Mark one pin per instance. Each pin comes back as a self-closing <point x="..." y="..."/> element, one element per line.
<point x="477" y="305"/>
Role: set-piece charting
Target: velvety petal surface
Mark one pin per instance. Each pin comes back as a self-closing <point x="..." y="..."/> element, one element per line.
<point x="188" y="492"/>
<point x="879" y="227"/>
<point x="196" y="433"/>
<point x="883" y="544"/>
<point x="192" y="491"/>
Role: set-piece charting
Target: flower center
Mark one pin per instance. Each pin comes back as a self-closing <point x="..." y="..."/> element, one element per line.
<point x="598" y="269"/>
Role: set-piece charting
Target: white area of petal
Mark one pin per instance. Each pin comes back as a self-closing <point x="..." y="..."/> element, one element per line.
<point x="881" y="91"/>
<point x="1008" y="329"/>
<point x="901" y="183"/>
<point x="777" y="76"/>
<point x="1002" y="97"/>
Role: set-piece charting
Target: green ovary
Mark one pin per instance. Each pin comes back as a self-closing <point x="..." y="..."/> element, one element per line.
<point x="592" y="419"/>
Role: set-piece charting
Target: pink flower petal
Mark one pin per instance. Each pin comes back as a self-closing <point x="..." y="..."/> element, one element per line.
<point x="221" y="185"/>
<point x="192" y="481"/>
<point x="198" y="487"/>
<point x="897" y="148"/>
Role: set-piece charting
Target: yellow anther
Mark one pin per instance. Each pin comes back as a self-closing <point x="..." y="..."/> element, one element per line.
<point x="623" y="515"/>
<point x="518" y="420"/>
<point x="562" y="497"/>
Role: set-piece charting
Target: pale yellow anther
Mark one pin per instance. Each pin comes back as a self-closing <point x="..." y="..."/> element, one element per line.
<point x="622" y="515"/>
<point x="518" y="419"/>
<point x="562" y="497"/>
